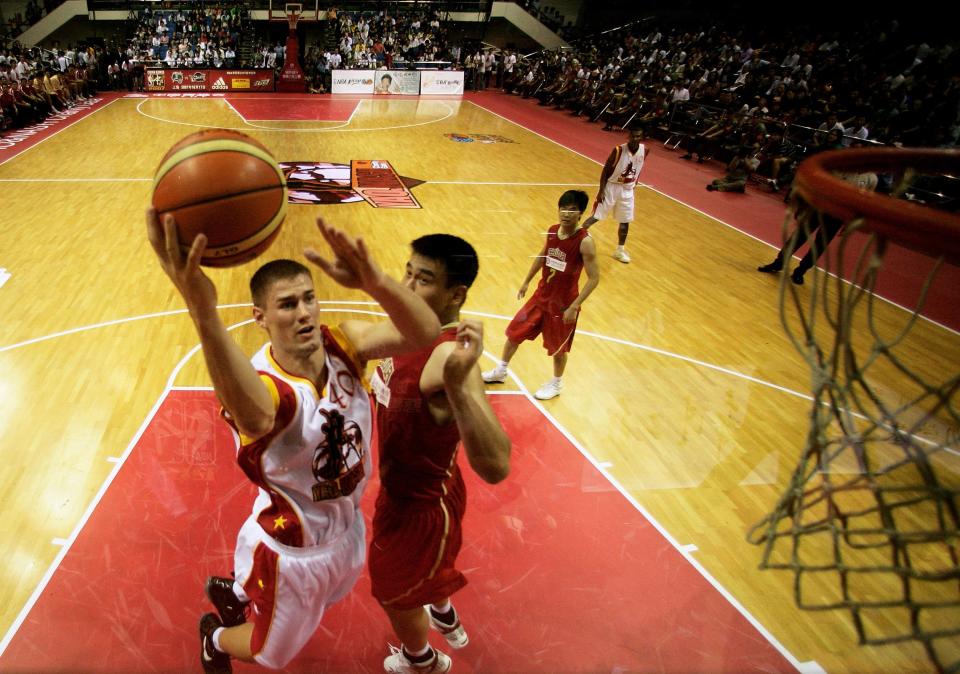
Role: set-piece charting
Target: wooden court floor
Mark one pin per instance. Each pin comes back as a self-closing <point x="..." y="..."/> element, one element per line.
<point x="681" y="384"/>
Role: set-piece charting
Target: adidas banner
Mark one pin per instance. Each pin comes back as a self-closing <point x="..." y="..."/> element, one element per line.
<point x="209" y="80"/>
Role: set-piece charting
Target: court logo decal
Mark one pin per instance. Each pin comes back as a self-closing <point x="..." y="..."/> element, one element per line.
<point x="486" y="138"/>
<point x="372" y="180"/>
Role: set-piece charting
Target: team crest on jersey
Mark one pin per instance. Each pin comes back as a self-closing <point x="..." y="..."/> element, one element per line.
<point x="375" y="181"/>
<point x="629" y="173"/>
<point x="338" y="459"/>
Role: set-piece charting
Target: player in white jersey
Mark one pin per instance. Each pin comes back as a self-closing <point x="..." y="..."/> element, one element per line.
<point x="617" y="182"/>
<point x="303" y="419"/>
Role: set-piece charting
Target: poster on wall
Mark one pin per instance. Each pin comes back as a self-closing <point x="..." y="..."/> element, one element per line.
<point x="352" y="82"/>
<point x="405" y="82"/>
<point x="441" y="82"/>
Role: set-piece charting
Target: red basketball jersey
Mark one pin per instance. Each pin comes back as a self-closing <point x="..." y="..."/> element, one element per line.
<point x="560" y="275"/>
<point x="417" y="456"/>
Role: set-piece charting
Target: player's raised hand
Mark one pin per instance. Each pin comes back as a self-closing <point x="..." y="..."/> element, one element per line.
<point x="351" y="266"/>
<point x="184" y="270"/>
<point x="463" y="359"/>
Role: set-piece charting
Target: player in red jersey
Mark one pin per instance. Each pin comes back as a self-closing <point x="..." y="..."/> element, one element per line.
<point x="428" y="401"/>
<point x="555" y="305"/>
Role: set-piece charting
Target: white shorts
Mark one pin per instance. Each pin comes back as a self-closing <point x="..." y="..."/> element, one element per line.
<point x="290" y="588"/>
<point x="617" y="203"/>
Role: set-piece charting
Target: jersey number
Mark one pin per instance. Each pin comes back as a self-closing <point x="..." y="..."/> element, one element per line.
<point x="553" y="273"/>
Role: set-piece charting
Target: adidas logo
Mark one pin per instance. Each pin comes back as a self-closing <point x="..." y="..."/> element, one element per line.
<point x="219" y="84"/>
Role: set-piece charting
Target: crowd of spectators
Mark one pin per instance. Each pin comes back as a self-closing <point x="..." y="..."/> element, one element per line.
<point x="551" y="17"/>
<point x="382" y="39"/>
<point x="200" y="36"/>
<point x="757" y="105"/>
<point x="12" y="26"/>
<point x="35" y="84"/>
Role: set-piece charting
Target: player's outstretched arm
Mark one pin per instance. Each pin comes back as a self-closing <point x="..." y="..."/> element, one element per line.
<point x="412" y="324"/>
<point x="453" y="370"/>
<point x="238" y="386"/>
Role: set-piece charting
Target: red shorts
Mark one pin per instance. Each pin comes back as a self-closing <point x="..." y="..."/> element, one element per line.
<point x="533" y="319"/>
<point x="414" y="548"/>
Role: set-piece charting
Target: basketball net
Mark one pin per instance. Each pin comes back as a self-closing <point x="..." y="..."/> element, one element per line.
<point x="292" y="18"/>
<point x="870" y="519"/>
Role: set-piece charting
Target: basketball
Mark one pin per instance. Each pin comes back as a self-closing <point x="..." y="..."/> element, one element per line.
<point x="226" y="185"/>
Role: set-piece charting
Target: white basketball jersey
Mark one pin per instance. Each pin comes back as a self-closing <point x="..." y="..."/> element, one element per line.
<point x="628" y="166"/>
<point x="313" y="465"/>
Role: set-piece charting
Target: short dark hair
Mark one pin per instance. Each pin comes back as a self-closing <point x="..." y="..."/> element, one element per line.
<point x="458" y="257"/>
<point x="270" y="273"/>
<point x="576" y="198"/>
<point x="386" y="76"/>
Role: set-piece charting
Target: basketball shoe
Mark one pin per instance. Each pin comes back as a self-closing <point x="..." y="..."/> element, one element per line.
<point x="455" y="635"/>
<point x="549" y="390"/>
<point x="398" y="663"/>
<point x="212" y="660"/>
<point x="621" y="255"/>
<point x="497" y="375"/>
<point x="221" y="595"/>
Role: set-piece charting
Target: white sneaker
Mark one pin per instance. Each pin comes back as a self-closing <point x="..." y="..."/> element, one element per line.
<point x="497" y="375"/>
<point x="621" y="254"/>
<point x="549" y="390"/>
<point x="397" y="663"/>
<point x="455" y="635"/>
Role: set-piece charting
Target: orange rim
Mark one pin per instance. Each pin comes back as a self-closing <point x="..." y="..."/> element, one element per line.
<point x="921" y="228"/>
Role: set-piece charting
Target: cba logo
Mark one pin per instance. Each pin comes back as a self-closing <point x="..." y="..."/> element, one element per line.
<point x="156" y="78"/>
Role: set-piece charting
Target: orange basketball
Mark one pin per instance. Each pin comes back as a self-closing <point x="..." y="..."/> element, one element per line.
<point x="226" y="185"/>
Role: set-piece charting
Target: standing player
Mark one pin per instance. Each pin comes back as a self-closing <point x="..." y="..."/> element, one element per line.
<point x="303" y="419"/>
<point x="555" y="305"/>
<point x="427" y="402"/>
<point x="617" y="182"/>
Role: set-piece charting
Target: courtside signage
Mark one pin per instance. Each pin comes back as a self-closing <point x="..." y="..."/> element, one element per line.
<point x="448" y="82"/>
<point x="352" y="82"/>
<point x="209" y="80"/>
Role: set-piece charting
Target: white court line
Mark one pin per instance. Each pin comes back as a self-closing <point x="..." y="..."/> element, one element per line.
<point x="327" y="129"/>
<point x="67" y="543"/>
<point x="113" y="459"/>
<point x="131" y="319"/>
<point x="704" y="213"/>
<point x="68" y="124"/>
<point x="76" y="180"/>
<point x="766" y="634"/>
<point x="250" y="122"/>
<point x="689" y="547"/>
<point x="4" y="276"/>
<point x="476" y="182"/>
<point x="615" y="340"/>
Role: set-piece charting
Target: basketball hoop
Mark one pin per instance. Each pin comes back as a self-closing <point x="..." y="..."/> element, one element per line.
<point x="870" y="520"/>
<point x="293" y="12"/>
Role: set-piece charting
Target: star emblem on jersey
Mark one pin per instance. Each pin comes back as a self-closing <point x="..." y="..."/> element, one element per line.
<point x="280" y="523"/>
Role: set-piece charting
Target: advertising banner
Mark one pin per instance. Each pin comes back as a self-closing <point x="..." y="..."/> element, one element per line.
<point x="441" y="82"/>
<point x="352" y="82"/>
<point x="405" y="82"/>
<point x="182" y="79"/>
